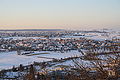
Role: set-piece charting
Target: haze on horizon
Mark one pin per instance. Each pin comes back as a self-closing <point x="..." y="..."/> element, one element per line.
<point x="59" y="14"/>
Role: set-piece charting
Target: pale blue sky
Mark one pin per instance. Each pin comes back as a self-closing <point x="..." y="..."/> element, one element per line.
<point x="68" y="14"/>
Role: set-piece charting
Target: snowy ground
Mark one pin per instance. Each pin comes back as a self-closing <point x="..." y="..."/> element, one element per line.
<point x="8" y="59"/>
<point x="98" y="36"/>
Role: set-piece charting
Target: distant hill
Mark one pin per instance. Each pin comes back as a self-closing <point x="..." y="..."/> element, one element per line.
<point x="34" y="30"/>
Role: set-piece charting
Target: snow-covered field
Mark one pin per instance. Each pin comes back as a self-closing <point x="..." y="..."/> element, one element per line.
<point x="8" y="59"/>
<point x="98" y="36"/>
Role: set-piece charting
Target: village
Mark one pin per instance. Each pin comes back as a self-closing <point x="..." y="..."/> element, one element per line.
<point x="42" y="56"/>
<point x="56" y="42"/>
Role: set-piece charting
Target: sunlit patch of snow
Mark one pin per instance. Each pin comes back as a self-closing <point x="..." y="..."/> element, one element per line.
<point x="8" y="59"/>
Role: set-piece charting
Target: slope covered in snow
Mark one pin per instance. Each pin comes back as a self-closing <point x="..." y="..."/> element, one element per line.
<point x="10" y="59"/>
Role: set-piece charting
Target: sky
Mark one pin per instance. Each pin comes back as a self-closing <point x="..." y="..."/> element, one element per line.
<point x="59" y="14"/>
